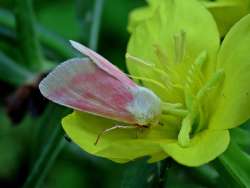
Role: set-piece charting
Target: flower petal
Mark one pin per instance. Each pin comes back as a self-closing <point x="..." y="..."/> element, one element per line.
<point x="227" y="12"/>
<point x="139" y="15"/>
<point x="119" y="145"/>
<point x="234" y="98"/>
<point x="204" y="147"/>
<point x="178" y="35"/>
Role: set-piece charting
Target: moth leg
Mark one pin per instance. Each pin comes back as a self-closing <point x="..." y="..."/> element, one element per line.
<point x="140" y="129"/>
<point x="113" y="128"/>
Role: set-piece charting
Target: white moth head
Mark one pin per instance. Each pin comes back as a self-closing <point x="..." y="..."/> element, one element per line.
<point x="146" y="106"/>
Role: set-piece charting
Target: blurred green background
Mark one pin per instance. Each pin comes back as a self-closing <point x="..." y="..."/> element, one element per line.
<point x="34" y="152"/>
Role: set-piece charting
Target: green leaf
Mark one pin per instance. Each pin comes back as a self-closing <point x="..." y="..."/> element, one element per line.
<point x="12" y="155"/>
<point x="205" y="175"/>
<point x="234" y="97"/>
<point x="180" y="177"/>
<point x="236" y="162"/>
<point x="241" y="137"/>
<point x="139" y="174"/>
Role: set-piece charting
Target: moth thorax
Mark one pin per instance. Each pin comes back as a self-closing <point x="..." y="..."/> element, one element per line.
<point x="145" y="107"/>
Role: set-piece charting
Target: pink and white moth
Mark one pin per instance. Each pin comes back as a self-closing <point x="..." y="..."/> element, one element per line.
<point x="95" y="86"/>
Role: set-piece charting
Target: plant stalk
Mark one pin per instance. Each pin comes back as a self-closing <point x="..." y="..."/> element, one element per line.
<point x="27" y="36"/>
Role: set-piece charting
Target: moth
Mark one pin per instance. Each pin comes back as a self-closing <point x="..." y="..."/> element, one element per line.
<point x="96" y="86"/>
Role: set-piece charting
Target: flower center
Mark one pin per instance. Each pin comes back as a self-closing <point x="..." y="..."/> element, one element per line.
<point x="196" y="90"/>
<point x="186" y="82"/>
<point x="197" y="117"/>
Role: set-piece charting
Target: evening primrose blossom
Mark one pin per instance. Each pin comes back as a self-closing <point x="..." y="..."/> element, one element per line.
<point x="225" y="12"/>
<point x="203" y="87"/>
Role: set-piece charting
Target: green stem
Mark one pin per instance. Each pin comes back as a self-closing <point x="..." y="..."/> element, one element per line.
<point x="162" y="167"/>
<point x="45" y="36"/>
<point x="13" y="73"/>
<point x="7" y="19"/>
<point x="46" y="159"/>
<point x="55" y="42"/>
<point x="25" y="27"/>
<point x="95" y="28"/>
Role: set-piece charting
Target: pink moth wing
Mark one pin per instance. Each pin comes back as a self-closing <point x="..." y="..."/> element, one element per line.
<point x="103" y="63"/>
<point x="94" y="86"/>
